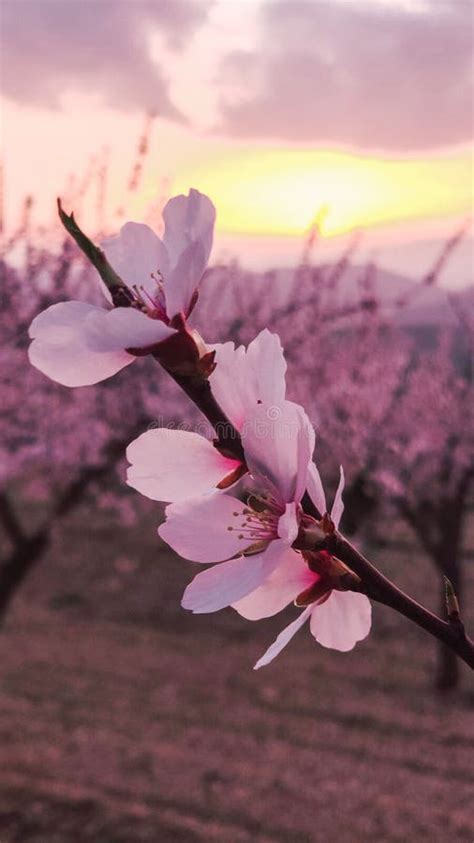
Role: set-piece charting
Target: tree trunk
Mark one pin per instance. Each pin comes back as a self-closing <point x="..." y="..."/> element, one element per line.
<point x="447" y="671"/>
<point x="14" y="569"/>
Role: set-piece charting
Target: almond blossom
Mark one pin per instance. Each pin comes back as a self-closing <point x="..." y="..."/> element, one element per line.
<point x="172" y="465"/>
<point x="338" y="619"/>
<point x="77" y="344"/>
<point x="249" y="539"/>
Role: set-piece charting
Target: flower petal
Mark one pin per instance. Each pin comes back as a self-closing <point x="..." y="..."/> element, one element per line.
<point x="266" y="368"/>
<point x="315" y="488"/>
<point x="172" y="465"/>
<point x="290" y="578"/>
<point x="124" y="327"/>
<point x="288" y="524"/>
<point x="243" y="378"/>
<point x="188" y="219"/>
<point x="135" y="253"/>
<point x="60" y="347"/>
<point x="278" y="442"/>
<point x="283" y="639"/>
<point x="205" y="529"/>
<point x="338" y="505"/>
<point x="342" y="620"/>
<point x="183" y="280"/>
<point x="228" y="381"/>
<point x="189" y="230"/>
<point x="223" y="584"/>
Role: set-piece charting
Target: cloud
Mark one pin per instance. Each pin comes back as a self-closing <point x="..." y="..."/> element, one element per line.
<point x="98" y="46"/>
<point x="365" y="75"/>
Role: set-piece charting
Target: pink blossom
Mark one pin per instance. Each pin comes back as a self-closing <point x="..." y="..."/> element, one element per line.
<point x="248" y="540"/>
<point x="77" y="344"/>
<point x="172" y="465"/>
<point x="338" y="619"/>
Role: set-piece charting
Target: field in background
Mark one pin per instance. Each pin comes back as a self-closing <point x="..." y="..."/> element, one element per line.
<point x="126" y="720"/>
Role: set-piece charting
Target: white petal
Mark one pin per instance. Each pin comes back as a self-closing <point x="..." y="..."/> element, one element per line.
<point x="60" y="347"/>
<point x="123" y="327"/>
<point x="342" y="620"/>
<point x="198" y="528"/>
<point x="290" y="577"/>
<point x="283" y="639"/>
<point x="61" y="322"/>
<point x="189" y="230"/>
<point x="228" y="381"/>
<point x="314" y="486"/>
<point x="172" y="465"/>
<point x="188" y="219"/>
<point x="288" y="524"/>
<point x="304" y="453"/>
<point x="266" y="368"/>
<point x="135" y="253"/>
<point x="227" y="582"/>
<point x="278" y="442"/>
<point x="183" y="280"/>
<point x="243" y="378"/>
<point x="338" y="505"/>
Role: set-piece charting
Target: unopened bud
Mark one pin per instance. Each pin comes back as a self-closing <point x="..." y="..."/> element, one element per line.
<point x="96" y="256"/>
<point x="452" y="605"/>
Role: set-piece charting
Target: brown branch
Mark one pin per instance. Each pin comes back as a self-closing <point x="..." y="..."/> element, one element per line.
<point x="380" y="588"/>
<point x="10" y="520"/>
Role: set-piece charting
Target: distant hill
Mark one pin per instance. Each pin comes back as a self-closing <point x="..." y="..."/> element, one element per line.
<point x="410" y="303"/>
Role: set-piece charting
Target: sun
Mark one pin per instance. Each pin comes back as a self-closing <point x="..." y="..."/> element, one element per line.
<point x="277" y="191"/>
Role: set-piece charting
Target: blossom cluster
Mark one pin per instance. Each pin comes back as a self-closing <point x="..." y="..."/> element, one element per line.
<point x="255" y="513"/>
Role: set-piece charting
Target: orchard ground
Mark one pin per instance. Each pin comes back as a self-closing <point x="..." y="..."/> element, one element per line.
<point x="124" y="719"/>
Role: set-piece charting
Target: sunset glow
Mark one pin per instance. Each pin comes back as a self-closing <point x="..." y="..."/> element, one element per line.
<point x="281" y="191"/>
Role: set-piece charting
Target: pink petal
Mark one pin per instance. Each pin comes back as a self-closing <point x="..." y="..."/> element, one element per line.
<point x="266" y="368"/>
<point x="338" y="505"/>
<point x="135" y="253"/>
<point x="172" y="465"/>
<point x="283" y="639"/>
<point x="60" y="347"/>
<point x="278" y="441"/>
<point x="189" y="230"/>
<point x="304" y="454"/>
<point x="227" y="582"/>
<point x="288" y="524"/>
<point x="228" y="381"/>
<point x="123" y="327"/>
<point x="188" y="219"/>
<point x="315" y="489"/>
<point x="198" y="528"/>
<point x="342" y="620"/>
<point x="243" y="378"/>
<point x="183" y="280"/>
<point x="290" y="578"/>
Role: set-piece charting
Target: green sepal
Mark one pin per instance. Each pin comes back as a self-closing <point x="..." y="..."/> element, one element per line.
<point x="96" y="256"/>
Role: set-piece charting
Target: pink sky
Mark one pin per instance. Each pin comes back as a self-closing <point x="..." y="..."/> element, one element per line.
<point x="239" y="81"/>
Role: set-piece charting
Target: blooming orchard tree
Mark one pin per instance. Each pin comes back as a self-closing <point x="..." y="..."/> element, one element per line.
<point x="271" y="536"/>
<point x="403" y="415"/>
